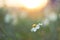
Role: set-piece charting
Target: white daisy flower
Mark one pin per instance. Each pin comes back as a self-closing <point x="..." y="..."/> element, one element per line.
<point x="35" y="27"/>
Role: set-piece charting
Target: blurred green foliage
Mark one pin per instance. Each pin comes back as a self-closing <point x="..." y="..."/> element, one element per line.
<point x="21" y="31"/>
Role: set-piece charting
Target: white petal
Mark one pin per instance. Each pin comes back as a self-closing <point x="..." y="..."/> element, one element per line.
<point x="40" y="24"/>
<point x="37" y="27"/>
<point x="33" y="30"/>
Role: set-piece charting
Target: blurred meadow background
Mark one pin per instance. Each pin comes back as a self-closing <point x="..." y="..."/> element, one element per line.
<point x="16" y="24"/>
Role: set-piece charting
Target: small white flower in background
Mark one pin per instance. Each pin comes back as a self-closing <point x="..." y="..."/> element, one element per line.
<point x="35" y="27"/>
<point x="7" y="18"/>
<point x="59" y="15"/>
<point x="45" y="22"/>
<point x="23" y="15"/>
<point x="14" y="21"/>
<point x="52" y="16"/>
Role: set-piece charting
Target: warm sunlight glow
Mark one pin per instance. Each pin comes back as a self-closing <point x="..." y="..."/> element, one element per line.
<point x="30" y="4"/>
<point x="31" y="7"/>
